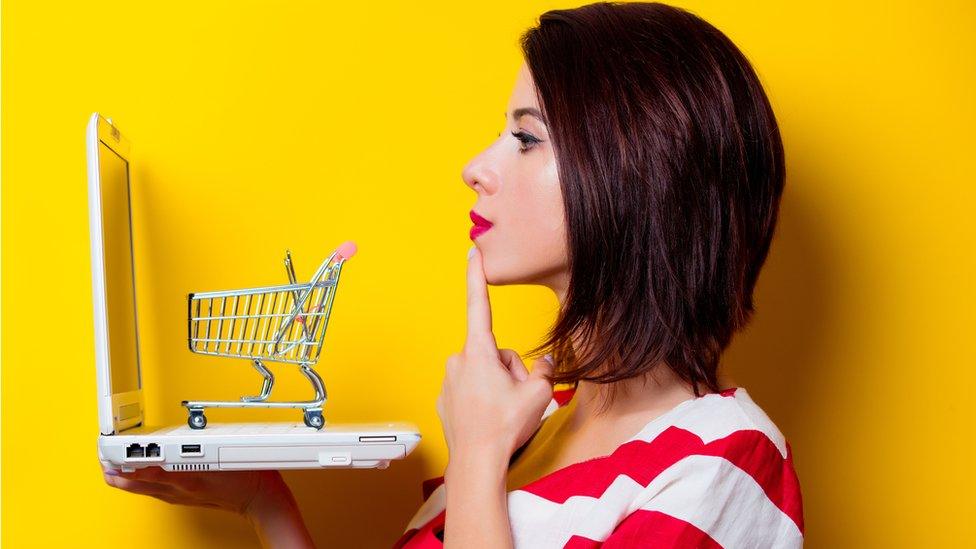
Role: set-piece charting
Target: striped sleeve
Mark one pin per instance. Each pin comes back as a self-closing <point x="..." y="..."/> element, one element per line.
<point x="719" y="473"/>
<point x="736" y="492"/>
<point x="644" y="528"/>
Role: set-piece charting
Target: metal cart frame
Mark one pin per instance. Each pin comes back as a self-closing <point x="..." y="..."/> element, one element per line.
<point x="283" y="323"/>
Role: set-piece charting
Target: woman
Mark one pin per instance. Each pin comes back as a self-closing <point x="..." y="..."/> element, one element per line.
<point x="638" y="177"/>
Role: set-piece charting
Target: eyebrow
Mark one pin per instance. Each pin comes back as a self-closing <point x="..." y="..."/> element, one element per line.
<point x="531" y="111"/>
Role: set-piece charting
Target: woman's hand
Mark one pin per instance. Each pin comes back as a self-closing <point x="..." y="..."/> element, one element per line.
<point x="260" y="496"/>
<point x="233" y="491"/>
<point x="489" y="401"/>
<point x="489" y="405"/>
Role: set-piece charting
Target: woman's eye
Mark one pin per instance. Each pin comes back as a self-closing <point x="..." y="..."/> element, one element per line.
<point x="526" y="140"/>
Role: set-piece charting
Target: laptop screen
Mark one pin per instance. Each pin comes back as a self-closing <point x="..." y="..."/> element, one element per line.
<point x="120" y="296"/>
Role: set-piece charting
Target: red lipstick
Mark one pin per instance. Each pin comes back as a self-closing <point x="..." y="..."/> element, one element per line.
<point x="480" y="225"/>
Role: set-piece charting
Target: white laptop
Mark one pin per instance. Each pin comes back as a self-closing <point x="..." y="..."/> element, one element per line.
<point x="125" y="441"/>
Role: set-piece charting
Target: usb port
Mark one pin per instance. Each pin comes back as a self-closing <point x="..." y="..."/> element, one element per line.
<point x="191" y="450"/>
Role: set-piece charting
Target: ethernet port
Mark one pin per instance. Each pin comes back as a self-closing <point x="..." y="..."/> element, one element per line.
<point x="152" y="450"/>
<point x="135" y="451"/>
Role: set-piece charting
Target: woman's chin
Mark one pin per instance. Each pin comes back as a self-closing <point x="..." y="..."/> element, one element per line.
<point x="505" y="272"/>
<point x="496" y="273"/>
<point x="495" y="280"/>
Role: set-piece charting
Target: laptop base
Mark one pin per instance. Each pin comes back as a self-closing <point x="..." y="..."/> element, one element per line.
<point x="258" y="446"/>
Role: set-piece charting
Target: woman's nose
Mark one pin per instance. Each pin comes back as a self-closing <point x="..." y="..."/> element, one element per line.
<point x="480" y="174"/>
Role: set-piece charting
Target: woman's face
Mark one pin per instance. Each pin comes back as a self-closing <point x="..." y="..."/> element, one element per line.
<point x="518" y="191"/>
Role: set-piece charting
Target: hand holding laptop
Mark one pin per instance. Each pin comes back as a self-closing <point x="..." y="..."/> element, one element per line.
<point x="262" y="497"/>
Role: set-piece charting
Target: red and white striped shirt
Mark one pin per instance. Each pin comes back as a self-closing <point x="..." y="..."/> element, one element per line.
<point x="714" y="471"/>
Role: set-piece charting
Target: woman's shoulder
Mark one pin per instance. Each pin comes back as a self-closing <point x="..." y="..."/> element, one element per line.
<point x="729" y="420"/>
<point x="714" y="468"/>
<point x="719" y="462"/>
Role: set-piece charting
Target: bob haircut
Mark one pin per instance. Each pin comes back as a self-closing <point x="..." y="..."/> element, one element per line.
<point x="671" y="168"/>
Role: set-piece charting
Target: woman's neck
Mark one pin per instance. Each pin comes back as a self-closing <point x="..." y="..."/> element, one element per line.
<point x="659" y="390"/>
<point x="635" y="396"/>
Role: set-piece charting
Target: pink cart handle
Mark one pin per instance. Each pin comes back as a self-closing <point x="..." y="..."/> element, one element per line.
<point x="346" y="250"/>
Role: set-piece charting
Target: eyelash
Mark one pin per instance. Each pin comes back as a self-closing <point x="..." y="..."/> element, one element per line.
<point x="527" y="141"/>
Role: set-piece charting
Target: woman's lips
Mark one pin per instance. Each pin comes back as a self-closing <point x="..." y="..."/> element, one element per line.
<point x="480" y="225"/>
<point x="477" y="230"/>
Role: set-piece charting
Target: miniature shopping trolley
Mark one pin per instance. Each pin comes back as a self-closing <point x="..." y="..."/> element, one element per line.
<point x="271" y="324"/>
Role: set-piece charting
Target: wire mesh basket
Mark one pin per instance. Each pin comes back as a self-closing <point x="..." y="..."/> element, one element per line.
<point x="283" y="323"/>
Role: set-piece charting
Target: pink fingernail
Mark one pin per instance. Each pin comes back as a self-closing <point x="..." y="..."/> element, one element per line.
<point x="470" y="252"/>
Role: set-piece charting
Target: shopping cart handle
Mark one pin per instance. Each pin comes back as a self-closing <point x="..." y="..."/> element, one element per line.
<point x="346" y="250"/>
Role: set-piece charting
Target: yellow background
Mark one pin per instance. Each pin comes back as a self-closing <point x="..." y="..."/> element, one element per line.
<point x="258" y="127"/>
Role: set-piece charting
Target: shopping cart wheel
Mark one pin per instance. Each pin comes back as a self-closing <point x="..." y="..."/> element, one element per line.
<point x="313" y="418"/>
<point x="197" y="420"/>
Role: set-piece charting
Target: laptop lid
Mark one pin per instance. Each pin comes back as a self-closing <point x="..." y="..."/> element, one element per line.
<point x="117" y="360"/>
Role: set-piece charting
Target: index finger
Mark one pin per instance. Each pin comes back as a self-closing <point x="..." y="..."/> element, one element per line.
<point x="479" y="336"/>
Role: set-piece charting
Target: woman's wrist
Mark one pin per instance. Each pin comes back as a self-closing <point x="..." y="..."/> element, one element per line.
<point x="475" y="497"/>
<point x="274" y="514"/>
<point x="485" y="463"/>
<point x="268" y="495"/>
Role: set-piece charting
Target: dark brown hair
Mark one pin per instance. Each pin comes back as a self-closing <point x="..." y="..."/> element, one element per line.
<point x="671" y="168"/>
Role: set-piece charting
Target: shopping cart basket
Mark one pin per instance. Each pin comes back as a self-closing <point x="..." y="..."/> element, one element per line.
<point x="271" y="324"/>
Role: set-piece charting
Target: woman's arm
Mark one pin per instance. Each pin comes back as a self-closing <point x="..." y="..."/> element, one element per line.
<point x="489" y="405"/>
<point x="477" y="501"/>
<point x="275" y="516"/>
